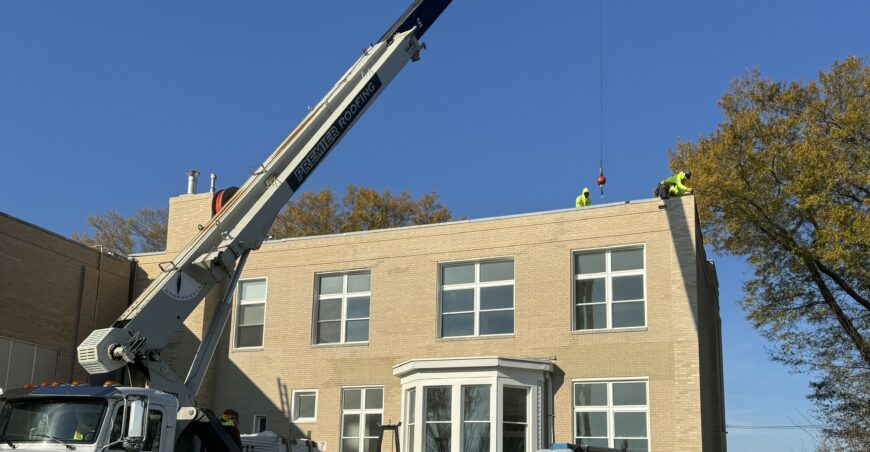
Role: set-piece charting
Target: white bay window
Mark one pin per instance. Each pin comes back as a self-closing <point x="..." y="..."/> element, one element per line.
<point x="483" y="404"/>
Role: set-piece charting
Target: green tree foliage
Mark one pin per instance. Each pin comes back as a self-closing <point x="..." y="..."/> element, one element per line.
<point x="784" y="182"/>
<point x="144" y="232"/>
<point x="360" y="209"/>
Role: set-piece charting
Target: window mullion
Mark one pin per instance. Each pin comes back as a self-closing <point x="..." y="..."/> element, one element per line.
<point x="343" y="319"/>
<point x="477" y="299"/>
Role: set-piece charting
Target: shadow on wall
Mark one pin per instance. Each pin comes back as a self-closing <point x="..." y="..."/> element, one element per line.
<point x="681" y="233"/>
<point x="257" y="403"/>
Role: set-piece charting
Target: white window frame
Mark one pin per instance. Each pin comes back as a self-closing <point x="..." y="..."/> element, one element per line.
<point x="240" y="303"/>
<point x="527" y="423"/>
<point x="412" y="424"/>
<point x="362" y="412"/>
<point x="608" y="276"/>
<point x="293" y="414"/>
<point x="610" y="408"/>
<point x="476" y="285"/>
<point x="343" y="296"/>
<point x="497" y="382"/>
<point x="454" y="409"/>
<point x="257" y="418"/>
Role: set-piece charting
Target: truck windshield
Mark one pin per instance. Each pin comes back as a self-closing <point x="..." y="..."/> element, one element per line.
<point x="68" y="420"/>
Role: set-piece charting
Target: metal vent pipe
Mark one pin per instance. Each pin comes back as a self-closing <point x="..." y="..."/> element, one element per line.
<point x="191" y="181"/>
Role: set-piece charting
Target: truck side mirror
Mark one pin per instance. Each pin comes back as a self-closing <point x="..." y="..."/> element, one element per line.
<point x="137" y="423"/>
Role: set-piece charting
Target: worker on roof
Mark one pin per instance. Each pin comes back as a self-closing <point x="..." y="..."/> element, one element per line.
<point x="674" y="185"/>
<point x="584" y="200"/>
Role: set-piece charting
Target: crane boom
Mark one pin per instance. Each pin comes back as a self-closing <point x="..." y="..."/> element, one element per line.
<point x="138" y="336"/>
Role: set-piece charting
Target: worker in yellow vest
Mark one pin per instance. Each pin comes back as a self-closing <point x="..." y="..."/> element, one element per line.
<point x="584" y="200"/>
<point x="674" y="185"/>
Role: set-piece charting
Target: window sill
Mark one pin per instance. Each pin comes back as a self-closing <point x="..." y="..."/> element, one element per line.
<point x="247" y="349"/>
<point x="476" y="338"/>
<point x="305" y="421"/>
<point x="611" y="330"/>
<point x="339" y="344"/>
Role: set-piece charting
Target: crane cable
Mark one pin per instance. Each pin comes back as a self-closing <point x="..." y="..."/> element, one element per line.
<point x="601" y="179"/>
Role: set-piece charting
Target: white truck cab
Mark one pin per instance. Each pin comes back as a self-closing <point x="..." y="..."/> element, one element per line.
<point x="87" y="418"/>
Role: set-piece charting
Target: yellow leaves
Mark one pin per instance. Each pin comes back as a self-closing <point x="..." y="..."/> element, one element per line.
<point x="360" y="209"/>
<point x="789" y="164"/>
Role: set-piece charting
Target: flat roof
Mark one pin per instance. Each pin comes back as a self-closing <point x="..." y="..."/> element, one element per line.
<point x="446" y="223"/>
<point x="473" y="220"/>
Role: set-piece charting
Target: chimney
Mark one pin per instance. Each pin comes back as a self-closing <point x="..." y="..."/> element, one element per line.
<point x="191" y="181"/>
<point x="213" y="180"/>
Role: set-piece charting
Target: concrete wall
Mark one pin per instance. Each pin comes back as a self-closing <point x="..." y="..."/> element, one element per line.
<point x="677" y="351"/>
<point x="54" y="292"/>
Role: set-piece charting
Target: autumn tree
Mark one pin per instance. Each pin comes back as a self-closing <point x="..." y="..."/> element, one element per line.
<point x="784" y="181"/>
<point x="360" y="209"/>
<point x="145" y="231"/>
<point x="308" y="213"/>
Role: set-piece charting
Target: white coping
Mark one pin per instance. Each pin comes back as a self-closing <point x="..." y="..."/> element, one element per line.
<point x="470" y="362"/>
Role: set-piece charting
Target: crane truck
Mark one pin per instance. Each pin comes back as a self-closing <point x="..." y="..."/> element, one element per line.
<point x="158" y="410"/>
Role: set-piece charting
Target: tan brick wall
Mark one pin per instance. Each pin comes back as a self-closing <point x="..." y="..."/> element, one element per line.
<point x="186" y="212"/>
<point x="54" y="291"/>
<point x="673" y="351"/>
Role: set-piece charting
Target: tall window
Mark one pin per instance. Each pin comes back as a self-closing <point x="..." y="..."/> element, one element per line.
<point x="438" y="419"/>
<point x="477" y="298"/>
<point x="362" y="409"/>
<point x="259" y="423"/>
<point x="515" y="423"/>
<point x="476" y="424"/>
<point x="611" y="414"/>
<point x="251" y="313"/>
<point x="343" y="308"/>
<point x="609" y="289"/>
<point x="304" y="406"/>
<point x="411" y="416"/>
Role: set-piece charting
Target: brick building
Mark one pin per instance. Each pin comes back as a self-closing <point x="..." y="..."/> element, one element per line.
<point x="53" y="293"/>
<point x="597" y="326"/>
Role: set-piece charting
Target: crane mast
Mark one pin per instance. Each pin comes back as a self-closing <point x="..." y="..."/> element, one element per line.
<point x="136" y="339"/>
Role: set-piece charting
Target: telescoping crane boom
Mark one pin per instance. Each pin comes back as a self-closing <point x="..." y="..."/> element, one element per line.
<point x="137" y="338"/>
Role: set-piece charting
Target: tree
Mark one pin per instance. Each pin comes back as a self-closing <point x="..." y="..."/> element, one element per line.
<point x="784" y="181"/>
<point x="360" y="209"/>
<point x="310" y="213"/>
<point x="144" y="232"/>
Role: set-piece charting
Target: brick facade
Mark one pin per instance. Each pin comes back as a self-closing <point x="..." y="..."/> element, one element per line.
<point x="678" y="351"/>
<point x="53" y="293"/>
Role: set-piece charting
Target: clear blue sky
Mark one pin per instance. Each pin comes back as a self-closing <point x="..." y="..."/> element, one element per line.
<point x="106" y="104"/>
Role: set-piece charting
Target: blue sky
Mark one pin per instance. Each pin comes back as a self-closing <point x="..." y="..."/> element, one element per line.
<point x="106" y="104"/>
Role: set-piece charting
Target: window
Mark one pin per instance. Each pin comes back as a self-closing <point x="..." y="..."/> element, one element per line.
<point x="438" y="423"/>
<point x="487" y="404"/>
<point x="343" y="308"/>
<point x="22" y="363"/>
<point x="609" y="289"/>
<point x="362" y="410"/>
<point x="33" y="418"/>
<point x="411" y="415"/>
<point x="476" y="422"/>
<point x="611" y="414"/>
<point x="514" y="428"/>
<point x="260" y="423"/>
<point x="304" y="406"/>
<point x="477" y="298"/>
<point x="250" y="317"/>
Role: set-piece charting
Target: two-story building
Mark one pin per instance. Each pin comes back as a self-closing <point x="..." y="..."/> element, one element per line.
<point x="595" y="326"/>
